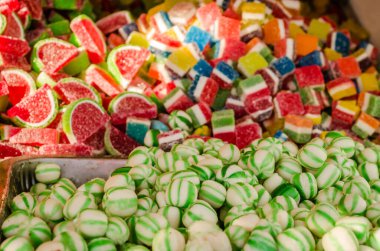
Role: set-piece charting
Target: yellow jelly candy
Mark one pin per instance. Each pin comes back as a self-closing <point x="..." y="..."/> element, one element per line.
<point x="182" y="60"/>
<point x="202" y="131"/>
<point x="331" y="54"/>
<point x="253" y="11"/>
<point x="320" y="29"/>
<point x="368" y="82"/>
<point x="139" y="39"/>
<point x="295" y="30"/>
<point x="250" y="63"/>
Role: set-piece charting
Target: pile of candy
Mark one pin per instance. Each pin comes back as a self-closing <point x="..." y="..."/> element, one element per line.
<point x="235" y="70"/>
<point x="209" y="196"/>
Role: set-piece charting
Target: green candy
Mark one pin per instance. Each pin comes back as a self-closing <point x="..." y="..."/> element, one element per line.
<point x="229" y="154"/>
<point x="273" y="182"/>
<point x="262" y="163"/>
<point x="64" y="226"/>
<point x="185" y="152"/>
<point x="119" y="181"/>
<point x="101" y="244"/>
<point x="238" y="236"/>
<point x="139" y="156"/>
<point x="340" y="238"/>
<point x="229" y="175"/>
<point x="213" y="192"/>
<point x="76" y="204"/>
<point x="297" y="238"/>
<point x="306" y="185"/>
<point x="346" y="144"/>
<point x="263" y="196"/>
<point x="47" y="173"/>
<point x="16" y="243"/>
<point x="203" y="172"/>
<point x="117" y="230"/>
<point x="144" y="176"/>
<point x="49" y="210"/>
<point x="327" y="175"/>
<point x="170" y="162"/>
<point x="168" y="239"/>
<point x="241" y="194"/>
<point x="199" y="211"/>
<point x="92" y="223"/>
<point x="369" y="171"/>
<point x="180" y="120"/>
<point x="94" y="187"/>
<point x="163" y="180"/>
<point x="148" y="226"/>
<point x="287" y="202"/>
<point x="72" y="241"/>
<point x="146" y="205"/>
<point x="181" y="193"/>
<point x="359" y="186"/>
<point x="24" y="201"/>
<point x="272" y="145"/>
<point x="359" y="225"/>
<point x="352" y="204"/>
<point x="188" y="175"/>
<point x="312" y="156"/>
<point x="287" y="167"/>
<point x="172" y="214"/>
<point x="120" y="202"/>
<point x="150" y="138"/>
<point x="289" y="148"/>
<point x="329" y="195"/>
<point x="322" y="219"/>
<point x="289" y="192"/>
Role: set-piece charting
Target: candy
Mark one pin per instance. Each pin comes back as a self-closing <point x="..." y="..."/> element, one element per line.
<point x="101" y="244"/>
<point x="310" y="76"/>
<point x="17" y="244"/>
<point x="92" y="223"/>
<point x="322" y="219"/>
<point x="262" y="163"/>
<point x="305" y="44"/>
<point x="72" y="240"/>
<point x="117" y="230"/>
<point x="369" y="103"/>
<point x="339" y="238"/>
<point x="76" y="204"/>
<point x="199" y="211"/>
<point x="306" y="185"/>
<point x="198" y="36"/>
<point x="118" y="143"/>
<point x="168" y="239"/>
<point x="113" y="197"/>
<point x="203" y="90"/>
<point x="288" y="103"/>
<point x="296" y="237"/>
<point x="148" y="226"/>
<point x="298" y="128"/>
<point x="182" y="60"/>
<point x="327" y="176"/>
<point x="312" y="156"/>
<point x="48" y="172"/>
<point x="180" y="120"/>
<point x="224" y="75"/>
<point x="274" y="31"/>
<point x="346" y="67"/>
<point x="177" y="100"/>
<point x="250" y="63"/>
<point x="137" y="128"/>
<point x="240" y="194"/>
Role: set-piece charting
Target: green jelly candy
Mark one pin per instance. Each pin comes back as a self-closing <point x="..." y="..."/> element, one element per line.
<point x="78" y="64"/>
<point x="60" y="28"/>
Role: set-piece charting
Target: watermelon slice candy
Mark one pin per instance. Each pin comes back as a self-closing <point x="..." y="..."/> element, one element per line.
<point x="24" y="15"/>
<point x="114" y="21"/>
<point x="67" y="150"/>
<point x="118" y="143"/>
<point x="3" y="88"/>
<point x="20" y="84"/>
<point x="34" y="136"/>
<point x="35" y="8"/>
<point x="72" y="89"/>
<point x="11" y="61"/>
<point x="15" y="27"/>
<point x="14" y="150"/>
<point x="96" y="141"/>
<point x="102" y="80"/>
<point x="8" y="6"/>
<point x="14" y="46"/>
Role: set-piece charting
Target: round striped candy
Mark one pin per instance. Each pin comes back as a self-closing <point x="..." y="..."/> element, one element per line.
<point x="76" y="204"/>
<point x="237" y="235"/>
<point x="181" y="193"/>
<point x="241" y="194"/>
<point x="48" y="173"/>
<point x="172" y="214"/>
<point x="243" y="161"/>
<point x="168" y="239"/>
<point x="131" y="222"/>
<point x="204" y="173"/>
<point x="211" y="153"/>
<point x="287" y="202"/>
<point x="120" y="202"/>
<point x="306" y="204"/>
<point x="369" y="171"/>
<point x="144" y="176"/>
<point x="168" y="162"/>
<point x="163" y="180"/>
<point x="139" y="156"/>
<point x="300" y="215"/>
<point x="287" y="190"/>
<point x="260" y="240"/>
<point x="65" y="182"/>
<point x="268" y="208"/>
<point x="92" y="223"/>
<point x="374" y="239"/>
<point x="49" y="210"/>
<point x="147" y="227"/>
<point x="37" y="188"/>
<point x="312" y="156"/>
<point x="317" y="141"/>
<point x="189" y="176"/>
<point x="287" y="167"/>
<point x="161" y="199"/>
<point x="373" y="212"/>
<point x="94" y="187"/>
<point x="369" y="155"/>
<point x="359" y="225"/>
<point x="272" y="228"/>
<point x="375" y="190"/>
<point x="150" y="193"/>
<point x="322" y="219"/>
<point x="150" y="138"/>
<point x="229" y="154"/>
<point x="331" y="135"/>
<point x="229" y="175"/>
<point x="180" y="120"/>
<point x="16" y="224"/>
<point x="273" y="182"/>
<point x="193" y="160"/>
<point x="184" y="151"/>
<point x="329" y="195"/>
<point x="154" y="153"/>
<point x="121" y="170"/>
<point x="340" y="238"/>
<point x="195" y="143"/>
<point x="117" y="230"/>
<point x="306" y="184"/>
<point x="101" y="244"/>
<point x="213" y="163"/>
<point x="263" y="196"/>
<point x="213" y="192"/>
<point x="251" y="177"/>
<point x="72" y="241"/>
<point x="16" y="243"/>
<point x="235" y="212"/>
<point x="199" y="211"/>
<point x="64" y="226"/>
<point x="213" y="144"/>
<point x="297" y="238"/>
<point x="346" y="144"/>
<point x="262" y="163"/>
<point x="198" y="244"/>
<point x="146" y="205"/>
<point x="280" y="216"/>
<point x="133" y="247"/>
<point x="352" y="204"/>
<point x="51" y="246"/>
<point x="359" y="186"/>
<point x="38" y="232"/>
<point x="24" y="201"/>
<point x="272" y="145"/>
<point x="290" y="148"/>
<point x="119" y="180"/>
<point x="248" y="221"/>
<point x="61" y="193"/>
<point x="327" y="175"/>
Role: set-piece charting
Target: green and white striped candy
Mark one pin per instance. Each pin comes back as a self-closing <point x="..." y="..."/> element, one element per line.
<point x="150" y="138"/>
<point x="272" y="145"/>
<point x="312" y="156"/>
<point x="273" y="182"/>
<point x="139" y="156"/>
<point x="340" y="238"/>
<point x="287" y="202"/>
<point x="272" y="228"/>
<point x="306" y="185"/>
<point x="168" y="239"/>
<point x="241" y="194"/>
<point x="181" y="193"/>
<point x="147" y="192"/>
<point x="161" y="199"/>
<point x="16" y="243"/>
<point x="154" y="153"/>
<point x="373" y="212"/>
<point x="148" y="226"/>
<point x="360" y="226"/>
<point x="199" y="211"/>
<point x="119" y="180"/>
<point x="346" y="144"/>
<point x="235" y="212"/>
<point x="198" y="244"/>
<point x="352" y="204"/>
<point x="260" y="240"/>
<point x="374" y="239"/>
<point x="369" y="171"/>
<point x="72" y="241"/>
<point x="37" y="188"/>
<point x="189" y="176"/>
<point x="94" y="187"/>
<point x="172" y="214"/>
<point x="92" y="223"/>
<point x="322" y="219"/>
<point x="66" y="182"/>
<point x="238" y="236"/>
<point x="47" y="173"/>
<point x="144" y="176"/>
<point x="213" y="144"/>
<point x="24" y="201"/>
<point x="317" y="141"/>
<point x="329" y="195"/>
<point x="49" y="210"/>
<point x="229" y="154"/>
<point x="204" y="173"/>
<point x="290" y="148"/>
<point x="268" y="208"/>
<point x="300" y="215"/>
<point x="262" y="163"/>
<point x="297" y="238"/>
<point x="168" y="162"/>
<point x="327" y="175"/>
<point x="193" y="160"/>
<point x="133" y="247"/>
<point x="213" y="192"/>
<point x="330" y="136"/>
<point x="117" y="230"/>
<point x="51" y="246"/>
<point x="180" y="120"/>
<point x="211" y="153"/>
<point x="357" y="185"/>
<point x="307" y="204"/>
<point x="251" y="177"/>
<point x="64" y="226"/>
<point x="243" y="161"/>
<point x="16" y="224"/>
<point x="365" y="248"/>
<point x="263" y="196"/>
<point x="247" y="221"/>
<point x="184" y="151"/>
<point x="281" y="217"/>
<point x="287" y="167"/>
<point x="101" y="244"/>
<point x="163" y="180"/>
<point x="76" y="204"/>
<point x="369" y="155"/>
<point x="61" y="193"/>
<point x="43" y="195"/>
<point x="375" y="190"/>
<point x="120" y="202"/>
<point x="146" y="205"/>
<point x="213" y="163"/>
<point x="287" y="190"/>
<point x="196" y="143"/>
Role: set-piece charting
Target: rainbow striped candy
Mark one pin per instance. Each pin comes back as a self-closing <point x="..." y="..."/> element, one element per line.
<point x="306" y="184"/>
<point x="181" y="193"/>
<point x="117" y="230"/>
<point x="241" y="194"/>
<point x="100" y="244"/>
<point x="168" y="239"/>
<point x="47" y="173"/>
<point x="213" y="192"/>
<point x="312" y="156"/>
<point x="237" y="235"/>
<point x="172" y="214"/>
<point x="147" y="227"/>
<point x="24" y="201"/>
<point x="72" y="241"/>
<point x="16" y="243"/>
<point x="92" y="223"/>
<point x="79" y="202"/>
<point x="199" y="211"/>
<point x="340" y="238"/>
<point x="120" y="201"/>
<point x="262" y="163"/>
<point x="322" y="219"/>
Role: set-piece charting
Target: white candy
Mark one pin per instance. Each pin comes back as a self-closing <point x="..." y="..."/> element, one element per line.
<point x="47" y="172"/>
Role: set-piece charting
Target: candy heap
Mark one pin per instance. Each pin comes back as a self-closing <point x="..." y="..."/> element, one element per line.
<point x="235" y="70"/>
<point x="209" y="195"/>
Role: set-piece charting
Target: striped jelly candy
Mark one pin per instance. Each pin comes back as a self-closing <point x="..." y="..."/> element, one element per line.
<point x="289" y="148"/>
<point x="368" y="155"/>
<point x="184" y="151"/>
<point x="168" y="162"/>
<point x="64" y="226"/>
<point x="357" y="185"/>
<point x="289" y="191"/>
<point x="195" y="143"/>
<point x="163" y="180"/>
<point x="61" y="193"/>
<point x="287" y="202"/>
<point x="49" y="210"/>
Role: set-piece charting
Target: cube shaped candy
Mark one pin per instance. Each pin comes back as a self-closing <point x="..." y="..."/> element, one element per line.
<point x="344" y="113"/>
<point x="250" y="63"/>
<point x="340" y="42"/>
<point x="257" y="45"/>
<point x="341" y="88"/>
<point x="370" y="103"/>
<point x="314" y="58"/>
<point x="283" y="67"/>
<point x="346" y="67"/>
<point x="310" y="96"/>
<point x="161" y="21"/>
<point x="223" y="125"/>
<point x="310" y="76"/>
<point x="204" y="89"/>
<point x="298" y="128"/>
<point x="367" y="82"/>
<point x="177" y="100"/>
<point x="182" y="13"/>
<point x="237" y="105"/>
<point x="198" y="36"/>
<point x="259" y="108"/>
<point x="319" y="28"/>
<point x="275" y="30"/>
<point x="365" y="125"/>
<point x="287" y="102"/>
<point x="253" y="11"/>
<point x="208" y="14"/>
<point x="137" y="128"/>
<point x="227" y="28"/>
<point x="182" y="60"/>
<point x="306" y="44"/>
<point x="250" y="30"/>
<point x="271" y="79"/>
<point x="246" y="133"/>
<point x="228" y="49"/>
<point x="224" y="74"/>
<point x="202" y="68"/>
<point x="167" y="140"/>
<point x="200" y="114"/>
<point x="313" y="112"/>
<point x="253" y="87"/>
<point x="285" y="48"/>
<point x="220" y="99"/>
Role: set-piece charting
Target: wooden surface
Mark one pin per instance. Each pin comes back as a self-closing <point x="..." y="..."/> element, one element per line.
<point x="367" y="11"/>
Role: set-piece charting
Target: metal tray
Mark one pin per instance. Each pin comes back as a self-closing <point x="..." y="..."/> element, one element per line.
<point x="17" y="174"/>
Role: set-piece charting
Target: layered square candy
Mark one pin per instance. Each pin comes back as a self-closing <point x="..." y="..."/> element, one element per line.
<point x="298" y="128"/>
<point x="287" y="102"/>
<point x="223" y="125"/>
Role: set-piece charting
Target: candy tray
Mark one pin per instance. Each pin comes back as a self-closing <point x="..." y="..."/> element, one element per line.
<point x="18" y="174"/>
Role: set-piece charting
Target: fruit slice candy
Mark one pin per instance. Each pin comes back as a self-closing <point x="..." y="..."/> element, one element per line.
<point x="125" y="61"/>
<point x="118" y="143"/>
<point x="96" y="141"/>
<point x="35" y="8"/>
<point x="38" y="110"/>
<point x="49" y="79"/>
<point x="7" y="6"/>
<point x="11" y="61"/>
<point x="4" y="90"/>
<point x="14" y="46"/>
<point x="82" y="119"/>
<point x="90" y="37"/>
<point x="35" y="136"/>
<point x="72" y="89"/>
<point x="114" y="21"/>
<point x="129" y="104"/>
<point x="102" y="80"/>
<point x="66" y="150"/>
<point x="52" y="54"/>
<point x="3" y="23"/>
<point x="20" y="84"/>
<point x="14" y="27"/>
